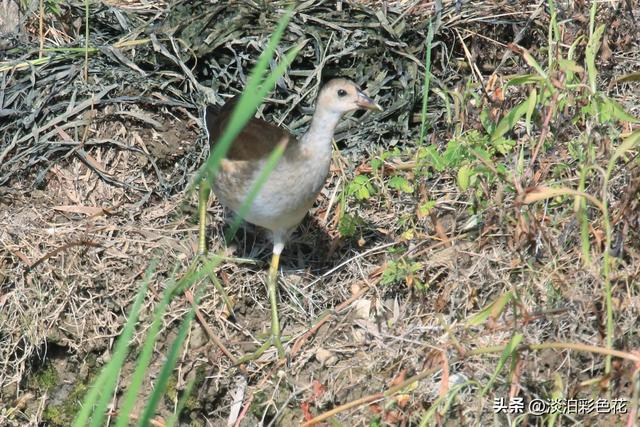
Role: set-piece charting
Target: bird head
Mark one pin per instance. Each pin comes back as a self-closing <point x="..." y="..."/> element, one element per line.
<point x="342" y="95"/>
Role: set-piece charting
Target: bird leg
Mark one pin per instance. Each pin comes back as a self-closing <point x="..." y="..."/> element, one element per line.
<point x="203" y="201"/>
<point x="272" y="281"/>
<point x="272" y="284"/>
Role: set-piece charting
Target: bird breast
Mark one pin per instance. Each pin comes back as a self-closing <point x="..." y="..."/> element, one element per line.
<point x="286" y="196"/>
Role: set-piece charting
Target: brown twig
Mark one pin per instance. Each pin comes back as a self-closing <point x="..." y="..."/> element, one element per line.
<point x="212" y="336"/>
<point x="62" y="248"/>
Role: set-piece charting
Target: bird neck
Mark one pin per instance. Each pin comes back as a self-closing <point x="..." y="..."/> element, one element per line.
<point x="320" y="133"/>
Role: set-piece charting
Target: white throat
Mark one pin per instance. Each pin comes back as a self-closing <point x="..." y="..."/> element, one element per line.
<point x="318" y="137"/>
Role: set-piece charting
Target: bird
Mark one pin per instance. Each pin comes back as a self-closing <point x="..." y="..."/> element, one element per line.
<point x="292" y="186"/>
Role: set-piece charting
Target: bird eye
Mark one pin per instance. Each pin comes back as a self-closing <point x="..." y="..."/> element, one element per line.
<point x="342" y="92"/>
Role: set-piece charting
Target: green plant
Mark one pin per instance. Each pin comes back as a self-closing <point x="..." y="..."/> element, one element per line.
<point x="590" y="108"/>
<point x="402" y="271"/>
<point x="361" y="187"/>
<point x="349" y="224"/>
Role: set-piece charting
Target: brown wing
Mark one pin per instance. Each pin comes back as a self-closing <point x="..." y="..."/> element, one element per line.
<point x="256" y="140"/>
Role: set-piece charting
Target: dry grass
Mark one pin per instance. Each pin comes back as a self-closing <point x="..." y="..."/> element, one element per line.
<point x="90" y="200"/>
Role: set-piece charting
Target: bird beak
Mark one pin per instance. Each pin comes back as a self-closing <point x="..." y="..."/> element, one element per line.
<point x="365" y="102"/>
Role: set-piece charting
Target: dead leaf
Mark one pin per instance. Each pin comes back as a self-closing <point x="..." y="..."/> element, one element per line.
<point x="79" y="209"/>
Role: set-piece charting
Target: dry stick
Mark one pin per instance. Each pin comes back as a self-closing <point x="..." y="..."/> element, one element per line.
<point x="485" y="350"/>
<point x="372" y="397"/>
<point x="341" y="408"/>
<point x="472" y="63"/>
<point x="633" y="356"/>
<point x="62" y="248"/>
<point x="210" y="333"/>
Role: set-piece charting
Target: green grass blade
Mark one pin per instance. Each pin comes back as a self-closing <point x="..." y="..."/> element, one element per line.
<point x="97" y="399"/>
<point x="509" y="120"/>
<point x="144" y="359"/>
<point x="590" y="57"/>
<point x="628" y="144"/>
<point x="581" y="204"/>
<point x="494" y="310"/>
<point x="181" y="403"/>
<point x="592" y="16"/>
<point x="509" y="350"/>
<point x="531" y="106"/>
<point x="167" y="368"/>
<point x="554" y="34"/>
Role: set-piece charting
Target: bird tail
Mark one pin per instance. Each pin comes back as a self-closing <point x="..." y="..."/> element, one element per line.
<point x="214" y="114"/>
<point x="211" y="113"/>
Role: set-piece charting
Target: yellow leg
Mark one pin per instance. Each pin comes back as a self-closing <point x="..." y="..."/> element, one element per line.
<point x="272" y="284"/>
<point x="273" y="298"/>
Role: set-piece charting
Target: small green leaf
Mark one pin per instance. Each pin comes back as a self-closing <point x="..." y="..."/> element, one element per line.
<point x="401" y="184"/>
<point x="408" y="235"/>
<point x="612" y="110"/>
<point x="464" y="177"/>
<point x="425" y="208"/>
<point x="508" y="122"/>
<point x="360" y="187"/>
<point x="494" y="310"/>
<point x="531" y="106"/>
<point x="568" y="65"/>
<point x="454" y="153"/>
<point x="629" y="143"/>
<point x="487" y="124"/>
<point x="484" y="154"/>
<point x="590" y="56"/>
<point x="503" y="145"/>
<point x="349" y="225"/>
<point x="400" y="271"/>
<point x="431" y="156"/>
<point x="376" y="163"/>
<point x="525" y="80"/>
<point x="531" y="61"/>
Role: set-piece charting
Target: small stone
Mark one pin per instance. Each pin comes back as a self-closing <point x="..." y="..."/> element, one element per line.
<point x="325" y="357"/>
<point x="198" y="337"/>
<point x="355" y="288"/>
<point x="362" y="308"/>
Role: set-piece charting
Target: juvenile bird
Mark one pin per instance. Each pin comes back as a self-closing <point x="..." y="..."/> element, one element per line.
<point x="293" y="185"/>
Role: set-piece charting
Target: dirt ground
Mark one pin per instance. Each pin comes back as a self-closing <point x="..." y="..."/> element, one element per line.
<point x="95" y="185"/>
